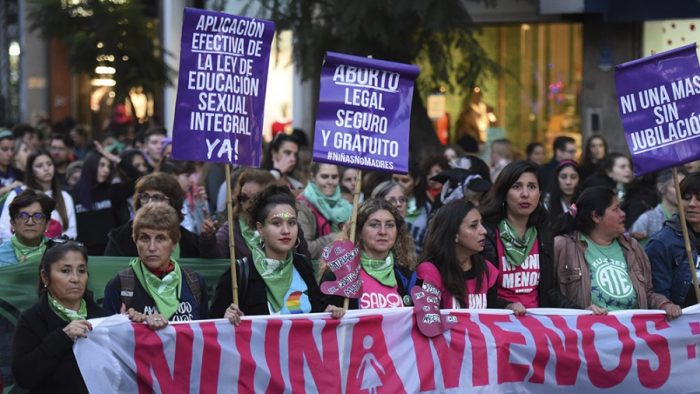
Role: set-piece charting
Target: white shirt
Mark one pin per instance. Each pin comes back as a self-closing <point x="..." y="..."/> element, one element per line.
<point x="6" y="227"/>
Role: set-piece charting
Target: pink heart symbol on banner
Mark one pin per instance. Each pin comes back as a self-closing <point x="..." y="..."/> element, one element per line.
<point x="426" y="301"/>
<point x="343" y="259"/>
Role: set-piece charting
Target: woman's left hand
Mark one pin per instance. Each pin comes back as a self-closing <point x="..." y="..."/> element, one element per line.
<point x="335" y="312"/>
<point x="673" y="311"/>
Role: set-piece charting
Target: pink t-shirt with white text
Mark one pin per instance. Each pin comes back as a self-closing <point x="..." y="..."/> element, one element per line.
<point x="519" y="283"/>
<point x="475" y="299"/>
<point x="376" y="295"/>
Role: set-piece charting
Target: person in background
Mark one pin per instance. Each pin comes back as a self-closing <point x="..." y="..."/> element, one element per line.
<point x="60" y="151"/>
<point x="564" y="149"/>
<point x="692" y="166"/>
<point x="154" y="188"/>
<point x="10" y="177"/>
<point x="73" y="172"/>
<point x="614" y="172"/>
<point x="670" y="272"/>
<point x="79" y="137"/>
<point x="565" y="191"/>
<point x="464" y="185"/>
<point x="29" y="213"/>
<point x="593" y="246"/>
<point x="29" y="135"/>
<point x="394" y="193"/>
<point x="21" y="153"/>
<point x="387" y="258"/>
<point x="519" y="240"/>
<point x="195" y="208"/>
<point x="431" y="189"/>
<point x="452" y="260"/>
<point x="501" y="155"/>
<point x="592" y="155"/>
<point x="651" y="221"/>
<point x="281" y="159"/>
<point x="42" y="347"/>
<point x="417" y="208"/>
<point x="160" y="288"/>
<point x="153" y="142"/>
<point x="535" y="153"/>
<point x="278" y="280"/>
<point x="452" y="152"/>
<point x="41" y="178"/>
<point x="322" y="209"/>
<point x="348" y="178"/>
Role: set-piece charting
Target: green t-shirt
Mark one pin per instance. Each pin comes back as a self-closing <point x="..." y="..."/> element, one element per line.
<point x="611" y="286"/>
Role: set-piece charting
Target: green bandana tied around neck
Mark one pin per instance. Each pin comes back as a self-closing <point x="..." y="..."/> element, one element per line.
<point x="165" y="292"/>
<point x="28" y="254"/>
<point x="381" y="270"/>
<point x="277" y="275"/>
<point x="251" y="236"/>
<point x="66" y="314"/>
<point x="516" y="249"/>
<point x="175" y="255"/>
<point x="334" y="208"/>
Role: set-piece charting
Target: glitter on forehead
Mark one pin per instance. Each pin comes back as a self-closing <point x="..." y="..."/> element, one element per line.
<point x="283" y="215"/>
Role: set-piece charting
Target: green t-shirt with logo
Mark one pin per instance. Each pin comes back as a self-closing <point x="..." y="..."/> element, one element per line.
<point x="611" y="286"/>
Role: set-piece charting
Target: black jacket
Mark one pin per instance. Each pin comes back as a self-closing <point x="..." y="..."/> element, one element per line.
<point x="42" y="354"/>
<point x="120" y="242"/>
<point x="252" y="293"/>
<point x="548" y="291"/>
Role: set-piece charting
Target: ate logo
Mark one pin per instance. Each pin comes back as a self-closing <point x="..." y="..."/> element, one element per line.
<point x="695" y="330"/>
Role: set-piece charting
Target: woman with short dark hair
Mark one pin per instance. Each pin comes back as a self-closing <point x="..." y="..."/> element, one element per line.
<point x="29" y="212"/>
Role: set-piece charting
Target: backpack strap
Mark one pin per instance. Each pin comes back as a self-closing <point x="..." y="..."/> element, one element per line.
<point x="192" y="280"/>
<point x="127" y="281"/>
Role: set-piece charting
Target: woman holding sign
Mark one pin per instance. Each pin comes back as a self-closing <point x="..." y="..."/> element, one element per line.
<point x="276" y="280"/>
<point x="517" y="240"/>
<point x="452" y="260"/>
<point x="597" y="266"/>
<point x="386" y="258"/>
<point x="322" y="208"/>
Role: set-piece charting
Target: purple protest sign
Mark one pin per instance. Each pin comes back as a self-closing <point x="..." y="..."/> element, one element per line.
<point x="364" y="113"/>
<point x="221" y="87"/>
<point x="659" y="103"/>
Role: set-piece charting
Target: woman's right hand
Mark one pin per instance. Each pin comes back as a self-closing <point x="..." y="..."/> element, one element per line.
<point x="517" y="308"/>
<point x="77" y="329"/>
<point x="597" y="310"/>
<point x="233" y="314"/>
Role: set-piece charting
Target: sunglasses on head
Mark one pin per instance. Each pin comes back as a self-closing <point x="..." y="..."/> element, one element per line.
<point x="62" y="241"/>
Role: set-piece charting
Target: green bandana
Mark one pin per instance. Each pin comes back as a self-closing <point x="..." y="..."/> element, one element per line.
<point x="175" y="255"/>
<point x="28" y="254"/>
<point x="412" y="210"/>
<point x="66" y="314"/>
<point x="165" y="292"/>
<point x="251" y="236"/>
<point x="334" y="208"/>
<point x="276" y="274"/>
<point x="516" y="249"/>
<point x="381" y="270"/>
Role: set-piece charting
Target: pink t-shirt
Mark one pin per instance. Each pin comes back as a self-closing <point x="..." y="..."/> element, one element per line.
<point x="521" y="283"/>
<point x="376" y="295"/>
<point x="474" y="298"/>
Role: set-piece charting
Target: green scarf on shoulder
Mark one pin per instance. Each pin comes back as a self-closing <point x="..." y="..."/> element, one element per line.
<point x="66" y="314"/>
<point x="164" y="291"/>
<point x="28" y="254"/>
<point x="277" y="275"/>
<point x="516" y="248"/>
<point x="334" y="208"/>
<point x="381" y="270"/>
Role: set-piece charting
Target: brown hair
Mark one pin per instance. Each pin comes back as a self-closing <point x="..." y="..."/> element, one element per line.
<point x="255" y="175"/>
<point x="157" y="216"/>
<point x="403" y="247"/>
<point x="164" y="183"/>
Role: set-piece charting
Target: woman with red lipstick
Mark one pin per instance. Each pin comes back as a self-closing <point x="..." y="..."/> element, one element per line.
<point x="276" y="280"/>
<point x="452" y="260"/>
<point x="597" y="266"/>
<point x="387" y="258"/>
<point x="518" y="242"/>
<point x="154" y="286"/>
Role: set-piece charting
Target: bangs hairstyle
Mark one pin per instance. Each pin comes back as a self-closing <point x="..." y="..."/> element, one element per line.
<point x="440" y="248"/>
<point x="157" y="216"/>
<point x="164" y="183"/>
<point x="56" y="193"/>
<point x="690" y="185"/>
<point x="403" y="248"/>
<point x="29" y="197"/>
<point x="495" y="209"/>
<point x="56" y="252"/>
<point x="269" y="198"/>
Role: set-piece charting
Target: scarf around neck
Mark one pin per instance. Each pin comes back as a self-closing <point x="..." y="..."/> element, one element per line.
<point x="515" y="248"/>
<point x="277" y="275"/>
<point x="66" y="314"/>
<point x="381" y="270"/>
<point x="164" y="291"/>
<point x="28" y="254"/>
<point x="334" y="208"/>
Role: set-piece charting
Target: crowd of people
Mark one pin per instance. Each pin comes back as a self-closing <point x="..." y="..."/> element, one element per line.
<point x="513" y="232"/>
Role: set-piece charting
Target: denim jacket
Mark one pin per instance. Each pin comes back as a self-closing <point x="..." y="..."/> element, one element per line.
<point x="669" y="261"/>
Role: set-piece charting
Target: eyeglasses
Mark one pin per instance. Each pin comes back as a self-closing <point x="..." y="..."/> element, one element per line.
<point x="37" y="216"/>
<point x="145" y="198"/>
<point x="398" y="201"/>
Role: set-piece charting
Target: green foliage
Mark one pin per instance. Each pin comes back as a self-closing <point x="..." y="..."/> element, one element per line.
<point x="435" y="32"/>
<point x="92" y="29"/>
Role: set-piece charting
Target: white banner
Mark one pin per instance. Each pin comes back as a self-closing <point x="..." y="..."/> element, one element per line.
<point x="381" y="351"/>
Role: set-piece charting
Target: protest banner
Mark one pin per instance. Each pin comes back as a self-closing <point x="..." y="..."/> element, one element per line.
<point x="221" y="87"/>
<point x="659" y="103"/>
<point x="381" y="351"/>
<point x="18" y="292"/>
<point x="364" y="113"/>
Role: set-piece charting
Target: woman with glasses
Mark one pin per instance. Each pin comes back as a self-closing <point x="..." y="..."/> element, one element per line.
<point x="153" y="188"/>
<point x="100" y="203"/>
<point x="322" y="208"/>
<point x="41" y="177"/>
<point x="387" y="258"/>
<point x="154" y="285"/>
<point x="42" y="348"/>
<point x="394" y="193"/>
<point x="29" y="212"/>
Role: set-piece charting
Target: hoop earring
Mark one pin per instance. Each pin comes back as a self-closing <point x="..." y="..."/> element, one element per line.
<point x="296" y="245"/>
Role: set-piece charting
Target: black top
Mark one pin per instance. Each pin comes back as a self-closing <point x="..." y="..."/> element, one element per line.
<point x="252" y="293"/>
<point x="405" y="280"/>
<point x="120" y="242"/>
<point x="42" y="354"/>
